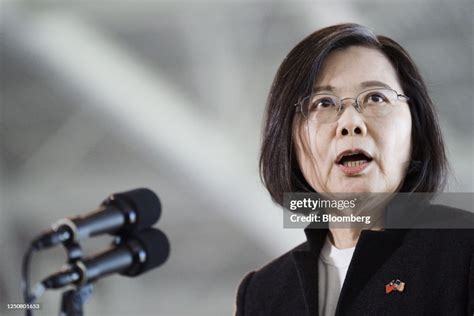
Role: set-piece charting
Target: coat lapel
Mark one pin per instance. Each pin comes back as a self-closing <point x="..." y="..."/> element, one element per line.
<point x="373" y="249"/>
<point x="306" y="263"/>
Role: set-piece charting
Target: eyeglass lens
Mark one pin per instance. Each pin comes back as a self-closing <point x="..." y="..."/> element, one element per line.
<point x="327" y="108"/>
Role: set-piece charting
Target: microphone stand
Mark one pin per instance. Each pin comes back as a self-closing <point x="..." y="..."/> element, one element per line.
<point x="72" y="301"/>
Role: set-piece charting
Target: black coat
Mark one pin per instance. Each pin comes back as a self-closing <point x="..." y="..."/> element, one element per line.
<point x="437" y="266"/>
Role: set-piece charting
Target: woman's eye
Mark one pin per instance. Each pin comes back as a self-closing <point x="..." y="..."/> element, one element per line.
<point x="324" y="103"/>
<point x="376" y="98"/>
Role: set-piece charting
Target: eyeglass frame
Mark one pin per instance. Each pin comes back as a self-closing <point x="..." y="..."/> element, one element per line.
<point x="355" y="104"/>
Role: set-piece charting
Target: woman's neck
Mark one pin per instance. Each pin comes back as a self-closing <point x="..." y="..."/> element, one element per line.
<point x="343" y="238"/>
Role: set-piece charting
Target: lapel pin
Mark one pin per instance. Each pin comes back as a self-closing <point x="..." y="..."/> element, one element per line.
<point x="395" y="285"/>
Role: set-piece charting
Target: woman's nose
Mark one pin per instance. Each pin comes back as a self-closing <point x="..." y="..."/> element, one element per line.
<point x="351" y="123"/>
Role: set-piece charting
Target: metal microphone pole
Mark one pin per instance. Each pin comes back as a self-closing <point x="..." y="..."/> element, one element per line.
<point x="72" y="301"/>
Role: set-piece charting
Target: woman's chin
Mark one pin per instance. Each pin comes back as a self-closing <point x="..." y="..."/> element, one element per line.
<point x="354" y="186"/>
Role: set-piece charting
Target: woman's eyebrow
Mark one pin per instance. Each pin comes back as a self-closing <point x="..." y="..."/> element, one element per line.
<point x="323" y="88"/>
<point x="364" y="84"/>
<point x="374" y="83"/>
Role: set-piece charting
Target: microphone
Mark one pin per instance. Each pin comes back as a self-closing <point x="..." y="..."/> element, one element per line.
<point x="124" y="212"/>
<point x="131" y="257"/>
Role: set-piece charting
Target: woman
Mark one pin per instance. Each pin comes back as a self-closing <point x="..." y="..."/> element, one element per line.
<point x="362" y="122"/>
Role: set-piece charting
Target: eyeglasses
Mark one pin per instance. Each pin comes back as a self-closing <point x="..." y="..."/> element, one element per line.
<point x="327" y="108"/>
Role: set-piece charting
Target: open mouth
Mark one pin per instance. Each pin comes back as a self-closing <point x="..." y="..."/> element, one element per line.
<point x="353" y="161"/>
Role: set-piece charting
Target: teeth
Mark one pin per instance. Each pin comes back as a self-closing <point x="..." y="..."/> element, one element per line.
<point x="354" y="163"/>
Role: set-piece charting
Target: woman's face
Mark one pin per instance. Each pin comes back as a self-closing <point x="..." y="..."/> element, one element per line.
<point x="387" y="140"/>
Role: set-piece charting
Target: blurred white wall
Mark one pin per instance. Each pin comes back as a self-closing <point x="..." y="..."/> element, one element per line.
<point x="100" y="97"/>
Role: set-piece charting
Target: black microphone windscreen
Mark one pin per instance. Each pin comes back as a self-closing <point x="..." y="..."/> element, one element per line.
<point x="146" y="205"/>
<point x="156" y="246"/>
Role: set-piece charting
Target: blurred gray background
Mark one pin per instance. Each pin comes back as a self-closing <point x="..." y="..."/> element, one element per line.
<point x="104" y="96"/>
